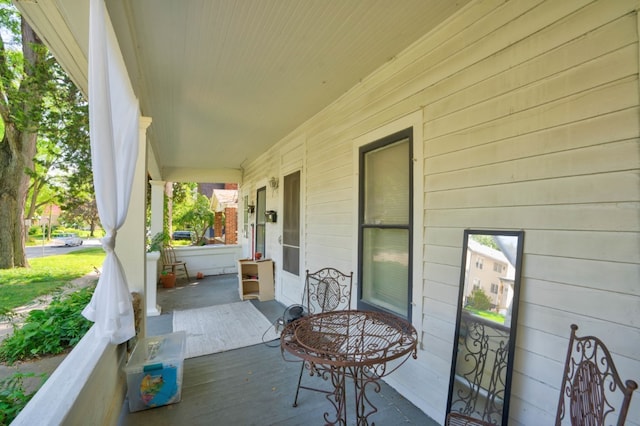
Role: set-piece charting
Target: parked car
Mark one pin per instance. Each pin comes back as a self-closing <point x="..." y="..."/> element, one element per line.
<point x="68" y="239"/>
<point x="183" y="235"/>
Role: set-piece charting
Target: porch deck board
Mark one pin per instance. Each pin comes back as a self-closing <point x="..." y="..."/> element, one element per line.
<point x="251" y="385"/>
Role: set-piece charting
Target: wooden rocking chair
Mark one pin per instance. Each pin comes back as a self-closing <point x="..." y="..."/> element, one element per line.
<point x="169" y="261"/>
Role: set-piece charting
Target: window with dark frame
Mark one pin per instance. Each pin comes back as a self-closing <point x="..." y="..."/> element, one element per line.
<point x="386" y="224"/>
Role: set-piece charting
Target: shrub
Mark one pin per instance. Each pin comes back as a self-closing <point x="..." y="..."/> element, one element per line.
<point x="50" y="331"/>
<point x="479" y="300"/>
<point x="13" y="396"/>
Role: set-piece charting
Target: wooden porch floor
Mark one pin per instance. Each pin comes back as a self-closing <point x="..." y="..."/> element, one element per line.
<point x="252" y="385"/>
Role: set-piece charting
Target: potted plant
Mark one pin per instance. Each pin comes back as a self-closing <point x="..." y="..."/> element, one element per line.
<point x="157" y="242"/>
<point x="168" y="279"/>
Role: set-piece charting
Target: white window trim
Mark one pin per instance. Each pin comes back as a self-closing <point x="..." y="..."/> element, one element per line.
<point x="415" y="121"/>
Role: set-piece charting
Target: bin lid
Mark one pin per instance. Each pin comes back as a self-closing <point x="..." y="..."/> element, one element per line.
<point x="158" y="349"/>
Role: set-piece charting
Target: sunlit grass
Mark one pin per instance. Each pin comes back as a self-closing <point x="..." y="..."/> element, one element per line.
<point x="35" y="235"/>
<point x="492" y="316"/>
<point x="20" y="286"/>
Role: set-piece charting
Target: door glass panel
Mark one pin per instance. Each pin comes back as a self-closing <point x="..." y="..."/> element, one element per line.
<point x="291" y="224"/>
<point x="261" y="207"/>
<point x="246" y="217"/>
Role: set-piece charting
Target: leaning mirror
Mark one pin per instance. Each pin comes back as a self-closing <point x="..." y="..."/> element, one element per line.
<point x="485" y="331"/>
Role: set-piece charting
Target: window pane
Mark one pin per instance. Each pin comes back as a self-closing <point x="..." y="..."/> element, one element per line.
<point x="291" y="224"/>
<point x="386" y="184"/>
<point x="290" y="259"/>
<point x="385" y="268"/>
<point x="246" y="216"/>
<point x="261" y="206"/>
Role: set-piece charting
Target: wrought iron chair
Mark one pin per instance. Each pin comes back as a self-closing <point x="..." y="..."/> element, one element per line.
<point x="591" y="387"/>
<point x="169" y="261"/>
<point x="480" y="401"/>
<point x="326" y="290"/>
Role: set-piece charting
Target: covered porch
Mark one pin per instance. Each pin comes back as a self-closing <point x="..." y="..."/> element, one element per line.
<point x="517" y="116"/>
<point x="251" y="385"/>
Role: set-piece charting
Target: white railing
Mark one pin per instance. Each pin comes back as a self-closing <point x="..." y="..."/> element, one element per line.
<point x="215" y="259"/>
<point x="89" y="386"/>
<point x="86" y="388"/>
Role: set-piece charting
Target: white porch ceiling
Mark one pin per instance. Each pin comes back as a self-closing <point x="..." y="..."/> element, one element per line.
<point x="224" y="80"/>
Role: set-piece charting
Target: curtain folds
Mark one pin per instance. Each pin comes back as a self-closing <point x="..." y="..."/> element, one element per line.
<point x="113" y="119"/>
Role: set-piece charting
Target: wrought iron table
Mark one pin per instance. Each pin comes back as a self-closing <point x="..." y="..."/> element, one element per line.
<point x="350" y="344"/>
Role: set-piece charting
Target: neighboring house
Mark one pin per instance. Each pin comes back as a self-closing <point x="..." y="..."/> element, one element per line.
<point x="506" y="115"/>
<point x="489" y="270"/>
<point x="224" y="202"/>
<point x="50" y="214"/>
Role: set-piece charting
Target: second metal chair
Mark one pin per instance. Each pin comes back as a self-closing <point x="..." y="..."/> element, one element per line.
<point x="591" y="386"/>
<point x="325" y="290"/>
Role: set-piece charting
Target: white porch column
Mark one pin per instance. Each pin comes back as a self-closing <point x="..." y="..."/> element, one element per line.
<point x="157" y="222"/>
<point x="131" y="247"/>
<point x="157" y="206"/>
<point x="153" y="309"/>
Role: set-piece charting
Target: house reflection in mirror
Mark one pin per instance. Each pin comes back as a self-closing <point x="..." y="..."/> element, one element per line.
<point x="485" y="325"/>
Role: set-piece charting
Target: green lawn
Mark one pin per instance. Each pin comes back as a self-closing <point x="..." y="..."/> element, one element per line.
<point x="488" y="315"/>
<point x="35" y="234"/>
<point x="20" y="286"/>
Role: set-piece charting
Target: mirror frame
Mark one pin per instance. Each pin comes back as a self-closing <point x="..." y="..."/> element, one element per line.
<point x="514" y="314"/>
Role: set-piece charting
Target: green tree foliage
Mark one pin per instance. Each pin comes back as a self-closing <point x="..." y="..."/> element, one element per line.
<point x="183" y="192"/>
<point x="486" y="240"/>
<point x="65" y="130"/>
<point x="196" y="216"/>
<point x="71" y="114"/>
<point x="25" y="79"/>
<point x="479" y="300"/>
<point x="43" y="189"/>
<point x="44" y="152"/>
<point x="62" y="171"/>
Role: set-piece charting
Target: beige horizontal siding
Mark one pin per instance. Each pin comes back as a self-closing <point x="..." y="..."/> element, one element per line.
<point x="620" y="125"/>
<point x="601" y="100"/>
<point x="621" y="216"/>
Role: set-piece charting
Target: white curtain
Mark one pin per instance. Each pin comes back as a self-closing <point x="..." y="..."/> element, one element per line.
<point x="113" y="119"/>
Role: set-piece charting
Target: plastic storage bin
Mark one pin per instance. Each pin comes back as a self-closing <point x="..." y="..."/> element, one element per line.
<point x="154" y="371"/>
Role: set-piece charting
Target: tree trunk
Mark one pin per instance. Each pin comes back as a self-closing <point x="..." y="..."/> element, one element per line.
<point x="18" y="147"/>
<point x="14" y="184"/>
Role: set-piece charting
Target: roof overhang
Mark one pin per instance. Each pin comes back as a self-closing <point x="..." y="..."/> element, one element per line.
<point x="224" y="80"/>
